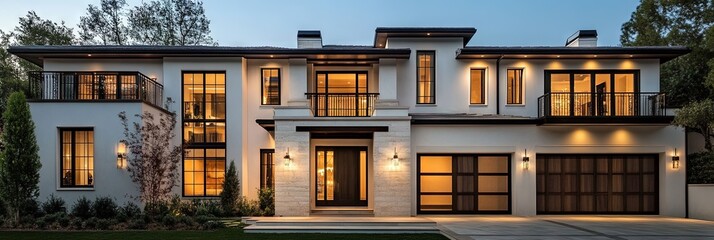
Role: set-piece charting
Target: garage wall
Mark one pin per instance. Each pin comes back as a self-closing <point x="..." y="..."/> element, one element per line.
<point x="700" y="201"/>
<point x="513" y="139"/>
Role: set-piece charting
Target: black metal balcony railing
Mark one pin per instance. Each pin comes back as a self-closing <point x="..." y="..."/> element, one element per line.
<point x="95" y="86"/>
<point x="342" y="104"/>
<point x="587" y="104"/>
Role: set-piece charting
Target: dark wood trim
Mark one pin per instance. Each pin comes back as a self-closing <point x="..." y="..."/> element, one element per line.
<point x="341" y="129"/>
<point x="267" y="124"/>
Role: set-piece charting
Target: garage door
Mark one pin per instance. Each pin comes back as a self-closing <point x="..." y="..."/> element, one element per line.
<point x="463" y="183"/>
<point x="597" y="184"/>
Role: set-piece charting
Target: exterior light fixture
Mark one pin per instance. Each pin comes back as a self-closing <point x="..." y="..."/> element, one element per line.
<point x="526" y="159"/>
<point x="288" y="160"/>
<point x="675" y="159"/>
<point x="395" y="159"/>
<point x="121" y="155"/>
<point x="428" y="34"/>
<point x="89" y="55"/>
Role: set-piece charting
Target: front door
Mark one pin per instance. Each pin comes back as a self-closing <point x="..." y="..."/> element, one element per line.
<point x="341" y="176"/>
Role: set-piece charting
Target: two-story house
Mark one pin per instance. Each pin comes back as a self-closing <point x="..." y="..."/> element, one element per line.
<point x="416" y="123"/>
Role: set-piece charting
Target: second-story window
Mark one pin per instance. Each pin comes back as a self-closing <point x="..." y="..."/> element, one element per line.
<point x="426" y="77"/>
<point x="270" y="81"/>
<point x="478" y="83"/>
<point x="514" y="89"/>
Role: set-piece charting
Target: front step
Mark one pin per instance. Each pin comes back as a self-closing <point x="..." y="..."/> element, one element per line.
<point x="340" y="225"/>
<point x="338" y="212"/>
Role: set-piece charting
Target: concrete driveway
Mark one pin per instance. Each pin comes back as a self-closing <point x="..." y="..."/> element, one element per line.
<point x="574" y="227"/>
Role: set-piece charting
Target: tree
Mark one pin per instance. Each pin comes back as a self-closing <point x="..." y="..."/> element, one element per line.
<point x="104" y="24"/>
<point x="698" y="117"/>
<point x="170" y="22"/>
<point x="19" y="161"/>
<point x="231" y="191"/>
<point x="153" y="158"/>
<point x="670" y="23"/>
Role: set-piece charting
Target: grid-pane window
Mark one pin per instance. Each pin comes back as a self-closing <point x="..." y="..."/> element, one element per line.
<point x="478" y="77"/>
<point x="515" y="86"/>
<point x="426" y="78"/>
<point x="204" y="131"/>
<point x="270" y="86"/>
<point x="77" y="157"/>
<point x="267" y="164"/>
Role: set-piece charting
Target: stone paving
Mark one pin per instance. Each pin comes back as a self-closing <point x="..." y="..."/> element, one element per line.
<point x="574" y="227"/>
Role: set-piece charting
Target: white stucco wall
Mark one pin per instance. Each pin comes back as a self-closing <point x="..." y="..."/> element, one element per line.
<point x="700" y="201"/>
<point x="513" y="139"/>
<point x="108" y="179"/>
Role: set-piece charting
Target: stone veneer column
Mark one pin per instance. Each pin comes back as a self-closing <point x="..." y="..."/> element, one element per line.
<point x="392" y="186"/>
<point x="292" y="186"/>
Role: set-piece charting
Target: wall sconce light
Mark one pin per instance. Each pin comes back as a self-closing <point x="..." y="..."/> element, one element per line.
<point x="526" y="159"/>
<point x="288" y="161"/>
<point x="675" y="159"/>
<point x="121" y="155"/>
<point x="395" y="159"/>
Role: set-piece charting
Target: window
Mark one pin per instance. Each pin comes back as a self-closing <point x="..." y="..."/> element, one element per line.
<point x="515" y="86"/>
<point x="267" y="162"/>
<point x="204" y="132"/>
<point x="270" y="82"/>
<point x="77" y="157"/>
<point x="478" y="79"/>
<point x="426" y="78"/>
<point x="594" y="93"/>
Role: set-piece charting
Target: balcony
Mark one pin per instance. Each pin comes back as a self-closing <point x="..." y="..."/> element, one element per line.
<point x="95" y="87"/>
<point x="612" y="107"/>
<point x="342" y="104"/>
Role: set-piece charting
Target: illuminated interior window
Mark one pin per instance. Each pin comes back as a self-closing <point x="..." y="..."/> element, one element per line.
<point x="267" y="168"/>
<point x="271" y="86"/>
<point x="345" y="94"/>
<point x="588" y="93"/>
<point x="478" y="81"/>
<point x="514" y="94"/>
<point x="426" y="77"/>
<point x="204" y="131"/>
<point x="341" y="176"/>
<point x="77" y="157"/>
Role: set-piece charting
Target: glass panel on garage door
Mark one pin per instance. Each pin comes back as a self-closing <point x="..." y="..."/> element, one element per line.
<point x="597" y="184"/>
<point x="464" y="183"/>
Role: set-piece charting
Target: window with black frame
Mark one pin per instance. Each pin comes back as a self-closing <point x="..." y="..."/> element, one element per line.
<point x="204" y="132"/>
<point x="270" y="82"/>
<point x="267" y="171"/>
<point x="426" y="77"/>
<point x="77" y="157"/>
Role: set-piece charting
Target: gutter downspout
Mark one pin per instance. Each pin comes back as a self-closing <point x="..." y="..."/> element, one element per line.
<point x="498" y="85"/>
<point x="686" y="173"/>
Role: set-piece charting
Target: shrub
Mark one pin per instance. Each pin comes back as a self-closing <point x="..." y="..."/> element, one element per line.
<point x="82" y="208"/>
<point x="700" y="167"/>
<point x="54" y="205"/>
<point x="31" y="208"/>
<point x="231" y="192"/>
<point x="156" y="210"/>
<point x="3" y="208"/>
<point x="209" y="207"/>
<point x="128" y="211"/>
<point x="249" y="208"/>
<point x="104" y="208"/>
<point x="90" y="223"/>
<point x="266" y="201"/>
<point x="137" y="223"/>
<point x="201" y="219"/>
<point x="41" y="223"/>
<point x="76" y="223"/>
<point x="169" y="221"/>
<point x="64" y="221"/>
<point x="179" y="207"/>
<point x="186" y="221"/>
<point x="212" y="225"/>
<point x="104" y="224"/>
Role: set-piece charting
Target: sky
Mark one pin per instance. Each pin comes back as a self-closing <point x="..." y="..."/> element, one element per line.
<point x="276" y="22"/>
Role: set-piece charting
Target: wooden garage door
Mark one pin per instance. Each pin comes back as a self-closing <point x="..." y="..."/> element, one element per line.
<point x="597" y="184"/>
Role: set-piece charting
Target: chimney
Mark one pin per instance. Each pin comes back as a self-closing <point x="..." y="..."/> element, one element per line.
<point x="582" y="38"/>
<point x="309" y="39"/>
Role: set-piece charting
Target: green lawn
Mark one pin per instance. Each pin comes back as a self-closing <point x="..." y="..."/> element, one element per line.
<point x="227" y="233"/>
